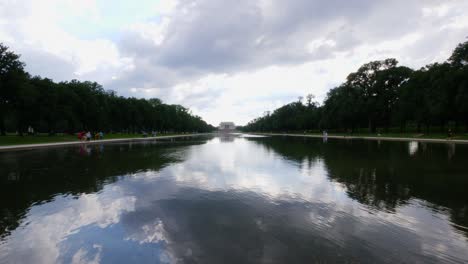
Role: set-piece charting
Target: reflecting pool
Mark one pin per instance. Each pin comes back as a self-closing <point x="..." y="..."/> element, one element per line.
<point x="236" y="199"/>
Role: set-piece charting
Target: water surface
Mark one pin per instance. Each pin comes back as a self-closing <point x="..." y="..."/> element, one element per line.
<point x="236" y="199"/>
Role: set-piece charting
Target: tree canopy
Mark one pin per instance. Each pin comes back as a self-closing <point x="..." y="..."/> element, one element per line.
<point x="75" y="105"/>
<point x="384" y="95"/>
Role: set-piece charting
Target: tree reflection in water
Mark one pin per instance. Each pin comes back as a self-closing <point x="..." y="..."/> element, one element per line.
<point x="236" y="200"/>
<point x="385" y="175"/>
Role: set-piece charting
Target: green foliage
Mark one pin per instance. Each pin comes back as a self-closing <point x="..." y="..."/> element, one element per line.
<point x="12" y="83"/>
<point x="380" y="95"/>
<point x="459" y="56"/>
<point x="76" y="105"/>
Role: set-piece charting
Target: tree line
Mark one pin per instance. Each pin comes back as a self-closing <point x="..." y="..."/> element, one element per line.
<point x="71" y="106"/>
<point x="383" y="96"/>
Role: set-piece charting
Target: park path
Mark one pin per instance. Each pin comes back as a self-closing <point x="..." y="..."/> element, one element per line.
<point x="92" y="142"/>
<point x="432" y="140"/>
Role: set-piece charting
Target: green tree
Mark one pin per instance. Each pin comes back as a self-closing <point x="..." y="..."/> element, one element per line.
<point x="459" y="56"/>
<point x="381" y="94"/>
<point x="371" y="86"/>
<point x="12" y="77"/>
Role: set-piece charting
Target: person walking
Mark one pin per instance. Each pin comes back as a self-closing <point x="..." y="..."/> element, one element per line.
<point x="325" y="134"/>
<point x="81" y="135"/>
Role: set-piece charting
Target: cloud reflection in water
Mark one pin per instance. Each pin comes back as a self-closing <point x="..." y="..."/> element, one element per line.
<point x="234" y="201"/>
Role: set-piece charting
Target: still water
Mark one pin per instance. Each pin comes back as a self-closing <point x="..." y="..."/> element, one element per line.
<point x="241" y="199"/>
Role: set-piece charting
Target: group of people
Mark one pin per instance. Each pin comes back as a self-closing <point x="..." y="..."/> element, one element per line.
<point x="31" y="131"/>
<point x="87" y="136"/>
<point x="145" y="134"/>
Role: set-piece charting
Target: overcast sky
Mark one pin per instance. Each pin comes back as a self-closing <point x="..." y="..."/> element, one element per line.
<point x="226" y="60"/>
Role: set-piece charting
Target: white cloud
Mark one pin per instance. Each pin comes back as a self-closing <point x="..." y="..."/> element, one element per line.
<point x="38" y="30"/>
<point x="227" y="60"/>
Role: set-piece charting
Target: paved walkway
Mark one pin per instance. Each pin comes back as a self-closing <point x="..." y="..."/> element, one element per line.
<point x="432" y="140"/>
<point x="92" y="142"/>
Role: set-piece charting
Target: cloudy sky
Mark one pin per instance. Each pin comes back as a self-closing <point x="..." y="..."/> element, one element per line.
<point x="226" y="60"/>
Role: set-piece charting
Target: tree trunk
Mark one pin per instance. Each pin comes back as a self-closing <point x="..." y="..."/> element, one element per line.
<point x="442" y="126"/>
<point x="3" y="110"/>
<point x="371" y="130"/>
<point x="20" y="128"/>
<point x="2" y="125"/>
<point x="402" y="127"/>
<point x="50" y="127"/>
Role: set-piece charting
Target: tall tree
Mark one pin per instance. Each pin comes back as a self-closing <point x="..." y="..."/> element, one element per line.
<point x="12" y="77"/>
<point x="371" y="87"/>
<point x="381" y="94"/>
<point x="459" y="56"/>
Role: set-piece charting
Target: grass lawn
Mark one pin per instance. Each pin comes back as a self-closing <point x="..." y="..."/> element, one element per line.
<point x="9" y="140"/>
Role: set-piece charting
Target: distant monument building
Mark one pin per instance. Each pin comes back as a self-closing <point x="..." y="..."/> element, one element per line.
<point x="227" y="127"/>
